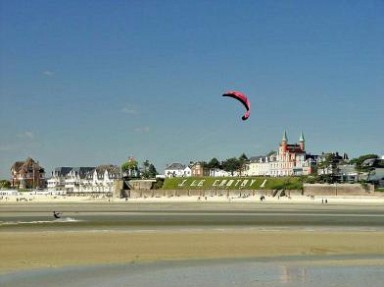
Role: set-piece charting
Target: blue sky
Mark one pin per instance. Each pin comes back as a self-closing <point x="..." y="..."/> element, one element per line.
<point x="84" y="83"/>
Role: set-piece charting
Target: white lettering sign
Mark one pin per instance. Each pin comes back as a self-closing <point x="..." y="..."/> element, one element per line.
<point x="240" y="183"/>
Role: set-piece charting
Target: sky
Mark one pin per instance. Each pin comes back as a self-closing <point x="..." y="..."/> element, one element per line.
<point x="85" y="83"/>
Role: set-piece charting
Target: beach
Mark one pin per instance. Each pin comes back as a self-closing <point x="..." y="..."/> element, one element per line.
<point x="30" y="250"/>
<point x="144" y="232"/>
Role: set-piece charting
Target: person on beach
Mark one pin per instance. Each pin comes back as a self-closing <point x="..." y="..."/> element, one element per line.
<point x="56" y="214"/>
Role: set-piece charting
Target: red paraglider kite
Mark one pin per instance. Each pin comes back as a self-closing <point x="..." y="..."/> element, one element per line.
<point x="243" y="99"/>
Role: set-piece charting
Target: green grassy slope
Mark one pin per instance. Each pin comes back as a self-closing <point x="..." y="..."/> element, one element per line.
<point x="233" y="183"/>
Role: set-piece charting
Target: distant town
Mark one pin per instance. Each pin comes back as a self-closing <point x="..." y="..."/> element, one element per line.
<point x="290" y="160"/>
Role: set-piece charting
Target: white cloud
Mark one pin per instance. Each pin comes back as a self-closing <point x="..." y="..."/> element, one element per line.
<point x="48" y="73"/>
<point x="130" y="110"/>
<point x="142" y="129"/>
<point x="26" y="135"/>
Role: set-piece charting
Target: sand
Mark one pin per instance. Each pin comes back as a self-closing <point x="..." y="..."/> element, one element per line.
<point x="371" y="199"/>
<point x="29" y="250"/>
<point x="25" y="250"/>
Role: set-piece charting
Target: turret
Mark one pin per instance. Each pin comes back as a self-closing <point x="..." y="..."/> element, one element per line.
<point x="302" y="141"/>
<point x="284" y="141"/>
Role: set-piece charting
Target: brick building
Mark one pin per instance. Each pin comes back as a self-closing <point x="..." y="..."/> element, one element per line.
<point x="27" y="174"/>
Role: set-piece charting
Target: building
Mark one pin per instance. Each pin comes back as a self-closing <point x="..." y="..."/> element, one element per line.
<point x="99" y="179"/>
<point x="289" y="160"/>
<point x="348" y="173"/>
<point x="177" y="170"/>
<point x="217" y="172"/>
<point x="76" y="179"/>
<point x="198" y="169"/>
<point x="260" y="165"/>
<point x="334" y="167"/>
<point x="57" y="180"/>
<point x="27" y="174"/>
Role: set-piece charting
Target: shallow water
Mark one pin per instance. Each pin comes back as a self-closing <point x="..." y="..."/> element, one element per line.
<point x="284" y="272"/>
<point x="118" y="220"/>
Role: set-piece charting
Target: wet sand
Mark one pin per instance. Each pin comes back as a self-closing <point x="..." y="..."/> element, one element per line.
<point x="30" y="250"/>
<point x="29" y="247"/>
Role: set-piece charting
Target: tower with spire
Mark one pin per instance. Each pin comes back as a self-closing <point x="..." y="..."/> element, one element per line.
<point x="302" y="141"/>
<point x="297" y="147"/>
<point x="289" y="160"/>
<point x="284" y="142"/>
<point x="290" y="157"/>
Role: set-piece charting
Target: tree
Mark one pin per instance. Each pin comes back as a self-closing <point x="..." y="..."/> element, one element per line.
<point x="231" y="165"/>
<point x="149" y="170"/>
<point x="146" y="164"/>
<point x="145" y="171"/>
<point x="330" y="167"/>
<point x="5" y="183"/>
<point x="152" y="171"/>
<point x="130" y="168"/>
<point x="203" y="164"/>
<point x="359" y="162"/>
<point x="243" y="160"/>
<point x="214" y="163"/>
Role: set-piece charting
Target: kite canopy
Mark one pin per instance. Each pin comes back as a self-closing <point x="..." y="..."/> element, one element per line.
<point x="243" y="99"/>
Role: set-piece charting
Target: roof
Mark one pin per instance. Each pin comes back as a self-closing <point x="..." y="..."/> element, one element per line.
<point x="257" y="158"/>
<point x="16" y="166"/>
<point x="294" y="148"/>
<point x="109" y="167"/>
<point x="302" y="139"/>
<point x="312" y="156"/>
<point x="29" y="163"/>
<point x="82" y="171"/>
<point x="63" y="170"/>
<point x="373" y="162"/>
<point x="177" y="166"/>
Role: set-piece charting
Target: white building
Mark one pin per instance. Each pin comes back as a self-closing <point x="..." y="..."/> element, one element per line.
<point x="260" y="165"/>
<point x="84" y="179"/>
<point x="57" y="181"/>
<point x="177" y="170"/>
<point x="75" y="179"/>
<point x="101" y="179"/>
<point x="216" y="172"/>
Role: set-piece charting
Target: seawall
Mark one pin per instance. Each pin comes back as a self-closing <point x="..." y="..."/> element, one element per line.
<point x="308" y="190"/>
<point x="338" y="189"/>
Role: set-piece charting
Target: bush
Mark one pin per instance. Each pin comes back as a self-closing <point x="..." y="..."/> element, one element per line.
<point x="158" y="184"/>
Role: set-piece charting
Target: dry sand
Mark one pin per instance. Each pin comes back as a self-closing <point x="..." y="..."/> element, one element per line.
<point x="376" y="199"/>
<point x="21" y="250"/>
<point x="28" y="250"/>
